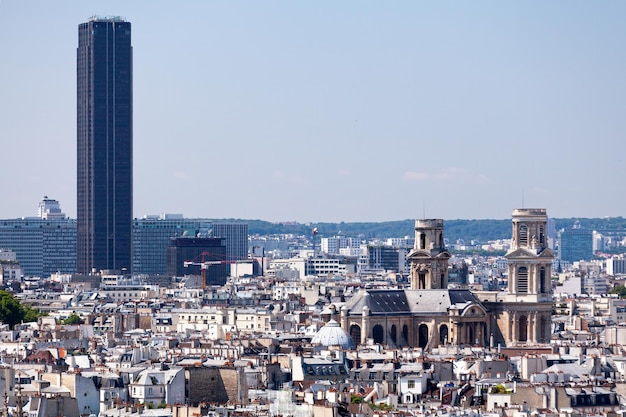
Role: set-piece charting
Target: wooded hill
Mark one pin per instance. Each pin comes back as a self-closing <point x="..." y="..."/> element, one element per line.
<point x="479" y="230"/>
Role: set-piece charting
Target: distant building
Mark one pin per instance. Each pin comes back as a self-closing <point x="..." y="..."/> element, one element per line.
<point x="151" y="238"/>
<point x="329" y="266"/>
<point x="197" y="251"/>
<point x="42" y="245"/>
<point x="387" y="258"/>
<point x="333" y="245"/>
<point x="576" y="244"/>
<point x="10" y="269"/>
<point x="104" y="120"/>
<point x="7" y="255"/>
<point x="616" y="265"/>
<point x="458" y="274"/>
<point x="235" y="236"/>
<point x="49" y="209"/>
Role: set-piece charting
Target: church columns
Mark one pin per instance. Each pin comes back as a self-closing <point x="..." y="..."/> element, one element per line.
<point x="532" y="324"/>
<point x="365" y="325"/>
<point x="513" y="278"/>
<point x="514" y="327"/>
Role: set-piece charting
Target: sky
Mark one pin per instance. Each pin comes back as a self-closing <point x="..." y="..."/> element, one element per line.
<point x="325" y="111"/>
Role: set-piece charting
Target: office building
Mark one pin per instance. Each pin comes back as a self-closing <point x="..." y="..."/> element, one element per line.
<point x="236" y="237"/>
<point x="104" y="145"/>
<point x="387" y="258"/>
<point x="576" y="244"/>
<point x="42" y="245"/>
<point x="185" y="256"/>
<point x="49" y="209"/>
<point x="616" y="265"/>
<point x="152" y="236"/>
<point x="333" y="245"/>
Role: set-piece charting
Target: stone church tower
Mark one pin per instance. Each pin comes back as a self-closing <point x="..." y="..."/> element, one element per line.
<point x="429" y="257"/>
<point x="523" y="314"/>
<point x="430" y="315"/>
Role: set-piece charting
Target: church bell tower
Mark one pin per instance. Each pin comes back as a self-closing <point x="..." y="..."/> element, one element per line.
<point x="529" y="259"/>
<point x="429" y="257"/>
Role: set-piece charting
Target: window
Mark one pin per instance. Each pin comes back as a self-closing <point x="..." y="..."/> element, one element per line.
<point x="522" y="279"/>
<point x="411" y="384"/>
<point x="523" y="235"/>
<point x="422" y="281"/>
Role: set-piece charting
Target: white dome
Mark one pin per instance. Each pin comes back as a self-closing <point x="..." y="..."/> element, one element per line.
<point x="333" y="335"/>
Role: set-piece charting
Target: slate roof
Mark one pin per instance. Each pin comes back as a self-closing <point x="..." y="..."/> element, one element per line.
<point x="409" y="302"/>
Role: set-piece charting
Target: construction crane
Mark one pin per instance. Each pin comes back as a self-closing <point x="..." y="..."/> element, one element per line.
<point x="204" y="264"/>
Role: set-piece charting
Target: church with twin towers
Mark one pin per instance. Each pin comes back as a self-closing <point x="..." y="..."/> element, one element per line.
<point x="430" y="315"/>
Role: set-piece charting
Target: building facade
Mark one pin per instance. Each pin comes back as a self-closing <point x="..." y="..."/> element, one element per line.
<point x="236" y="238"/>
<point x="185" y="256"/>
<point x="151" y="238"/>
<point x="42" y="245"/>
<point x="576" y="244"/>
<point x="430" y="314"/>
<point x="104" y="145"/>
<point x="523" y="314"/>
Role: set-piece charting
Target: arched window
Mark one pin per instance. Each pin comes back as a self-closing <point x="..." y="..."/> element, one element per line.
<point x="393" y="333"/>
<point x="423" y="335"/>
<point x="523" y="235"/>
<point x="523" y="329"/>
<point x="542" y="280"/>
<point x="542" y="236"/>
<point x="422" y="241"/>
<point x="405" y="334"/>
<point x="443" y="334"/>
<point x="522" y="280"/>
<point x="355" y="333"/>
<point x="378" y="334"/>
<point x="422" y="281"/>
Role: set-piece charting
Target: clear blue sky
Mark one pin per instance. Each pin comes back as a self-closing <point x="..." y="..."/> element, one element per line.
<point x="332" y="111"/>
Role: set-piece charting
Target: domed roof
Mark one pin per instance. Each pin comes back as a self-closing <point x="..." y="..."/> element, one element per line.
<point x="333" y="335"/>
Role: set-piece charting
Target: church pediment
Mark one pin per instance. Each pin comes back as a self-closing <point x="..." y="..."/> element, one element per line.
<point x="530" y="253"/>
<point x="473" y="310"/>
<point x="419" y="254"/>
<point x="425" y="254"/>
<point x="546" y="253"/>
<point x="521" y="253"/>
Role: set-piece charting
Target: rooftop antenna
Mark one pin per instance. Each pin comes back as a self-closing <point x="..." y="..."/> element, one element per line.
<point x="424" y="210"/>
<point x="522" y="197"/>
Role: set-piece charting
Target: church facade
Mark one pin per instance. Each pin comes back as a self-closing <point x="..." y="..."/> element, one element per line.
<point x="429" y="314"/>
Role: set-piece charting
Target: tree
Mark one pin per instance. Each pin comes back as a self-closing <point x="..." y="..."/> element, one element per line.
<point x="499" y="389"/>
<point x="619" y="290"/>
<point x="73" y="319"/>
<point x="13" y="312"/>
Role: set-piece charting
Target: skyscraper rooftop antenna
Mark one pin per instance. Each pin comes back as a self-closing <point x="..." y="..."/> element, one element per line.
<point x="523" y="197"/>
<point x="424" y="210"/>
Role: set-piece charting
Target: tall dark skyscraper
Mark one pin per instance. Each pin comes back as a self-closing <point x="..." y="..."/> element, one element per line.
<point x="105" y="145"/>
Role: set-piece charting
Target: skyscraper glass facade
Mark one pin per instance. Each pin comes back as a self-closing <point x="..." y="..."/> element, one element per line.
<point x="104" y="145"/>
